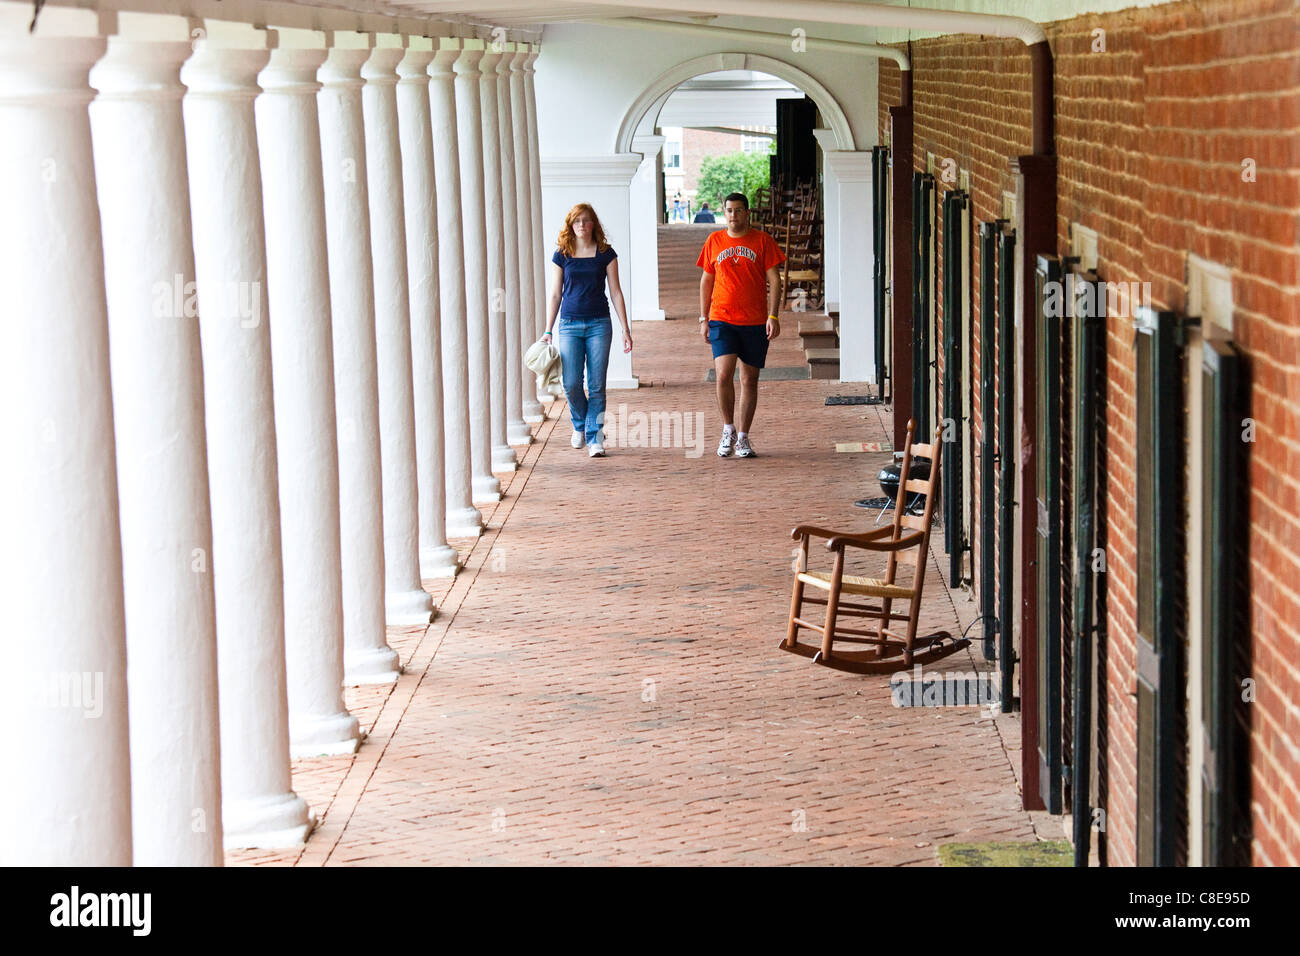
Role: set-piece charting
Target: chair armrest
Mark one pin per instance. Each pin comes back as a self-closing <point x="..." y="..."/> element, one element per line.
<point x="813" y="531"/>
<point x="863" y="541"/>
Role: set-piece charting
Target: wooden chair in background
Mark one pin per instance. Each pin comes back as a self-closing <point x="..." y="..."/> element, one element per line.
<point x="905" y="541"/>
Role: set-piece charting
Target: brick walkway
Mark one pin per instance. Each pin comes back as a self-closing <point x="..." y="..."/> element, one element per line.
<point x="602" y="684"/>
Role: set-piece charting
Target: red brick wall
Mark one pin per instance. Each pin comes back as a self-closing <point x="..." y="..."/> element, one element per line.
<point x="1150" y="137"/>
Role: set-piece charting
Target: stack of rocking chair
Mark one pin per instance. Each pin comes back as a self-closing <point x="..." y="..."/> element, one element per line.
<point x="905" y="541"/>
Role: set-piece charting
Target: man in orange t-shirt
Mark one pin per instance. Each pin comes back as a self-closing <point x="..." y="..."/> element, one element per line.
<point x="739" y="294"/>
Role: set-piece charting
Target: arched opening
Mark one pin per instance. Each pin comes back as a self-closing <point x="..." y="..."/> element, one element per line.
<point x="724" y="102"/>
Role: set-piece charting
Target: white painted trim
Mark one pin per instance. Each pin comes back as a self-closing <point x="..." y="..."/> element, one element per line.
<point x="591" y="170"/>
<point x="716" y="62"/>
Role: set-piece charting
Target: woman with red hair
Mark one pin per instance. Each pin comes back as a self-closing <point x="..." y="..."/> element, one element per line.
<point x="582" y="265"/>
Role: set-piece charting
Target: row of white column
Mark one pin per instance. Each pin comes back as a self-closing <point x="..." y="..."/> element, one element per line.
<point x="260" y="359"/>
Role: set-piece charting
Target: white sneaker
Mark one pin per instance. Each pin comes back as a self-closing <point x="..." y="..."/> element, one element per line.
<point x="577" y="440"/>
<point x="743" y="448"/>
<point x="595" y="450"/>
<point x="727" y="445"/>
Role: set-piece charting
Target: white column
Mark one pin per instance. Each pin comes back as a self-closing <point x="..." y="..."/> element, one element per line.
<point x="542" y="241"/>
<point x="830" y="223"/>
<point x="162" y="461"/>
<point x="67" y="799"/>
<point x="517" y="431"/>
<point x="603" y="181"/>
<point x="469" y="129"/>
<point x="259" y="807"/>
<point x="437" y="558"/>
<point x="463" y="519"/>
<point x="852" y="172"/>
<point x="302" y="363"/>
<point x="642" y="262"/>
<point x="407" y="602"/>
<point x="367" y="657"/>
<point x="503" y="456"/>
<point x="525" y="227"/>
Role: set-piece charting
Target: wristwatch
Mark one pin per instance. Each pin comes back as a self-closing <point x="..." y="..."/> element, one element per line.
<point x="704" y="318"/>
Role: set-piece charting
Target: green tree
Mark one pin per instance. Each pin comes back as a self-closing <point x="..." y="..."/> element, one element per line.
<point x="731" y="173"/>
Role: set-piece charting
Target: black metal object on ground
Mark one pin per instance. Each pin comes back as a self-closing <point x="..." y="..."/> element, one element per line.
<point x="852" y="400"/>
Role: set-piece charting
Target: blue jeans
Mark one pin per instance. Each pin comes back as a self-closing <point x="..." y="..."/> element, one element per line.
<point x="586" y="341"/>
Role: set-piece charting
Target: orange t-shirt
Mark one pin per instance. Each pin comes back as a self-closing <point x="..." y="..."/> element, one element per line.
<point x="739" y="268"/>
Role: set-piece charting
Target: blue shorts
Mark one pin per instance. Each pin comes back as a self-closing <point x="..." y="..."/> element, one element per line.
<point x="747" y="342"/>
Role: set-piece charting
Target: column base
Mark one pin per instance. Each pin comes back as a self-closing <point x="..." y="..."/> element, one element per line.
<point x="326" y="736"/>
<point x="623" y="383"/>
<point x="518" y="432"/>
<point x="441" y="561"/>
<point x="374" y="665"/>
<point x="266" y="823"/>
<point x="645" y="314"/>
<point x="533" y="412"/>
<point x="504" y="459"/>
<point x="486" y="490"/>
<point x="464" y="523"/>
<point x="556" y="390"/>
<point x="406" y="608"/>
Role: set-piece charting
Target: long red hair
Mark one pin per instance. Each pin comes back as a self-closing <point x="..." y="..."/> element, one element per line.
<point x="567" y="241"/>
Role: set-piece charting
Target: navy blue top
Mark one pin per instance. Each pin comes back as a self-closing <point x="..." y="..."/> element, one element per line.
<point x="584" y="284"/>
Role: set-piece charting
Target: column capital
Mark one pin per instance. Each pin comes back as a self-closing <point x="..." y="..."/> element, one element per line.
<point x="224" y="72"/>
<point x="615" y="170"/>
<point x="506" y="62"/>
<point x="381" y="67"/>
<point x="292" y="70"/>
<point x="648" y="144"/>
<point x="441" y="67"/>
<point x="342" y="67"/>
<point x="519" y="59"/>
<point x="467" y="62"/>
<point x="140" y="70"/>
<point x="849" y="166"/>
<point x="414" y="67"/>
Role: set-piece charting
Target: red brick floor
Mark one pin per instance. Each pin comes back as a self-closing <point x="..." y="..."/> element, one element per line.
<point x="602" y="684"/>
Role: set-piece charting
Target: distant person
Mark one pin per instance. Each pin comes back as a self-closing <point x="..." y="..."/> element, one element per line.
<point x="705" y="214"/>
<point x="581" y="266"/>
<point x="740" y="286"/>
<point x="677" y="207"/>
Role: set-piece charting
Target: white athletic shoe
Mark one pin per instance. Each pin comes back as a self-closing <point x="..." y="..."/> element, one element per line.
<point x="743" y="448"/>
<point x="577" y="440"/>
<point x="727" y="445"/>
<point x="595" y="450"/>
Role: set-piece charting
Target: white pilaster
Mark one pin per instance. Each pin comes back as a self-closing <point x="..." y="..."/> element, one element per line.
<point x="604" y="182"/>
<point x="437" y="558"/>
<point x="517" y="431"/>
<point x="525" y="227"/>
<point x="302" y="362"/>
<point x="162" y="463"/>
<point x="830" y="222"/>
<point x="469" y="130"/>
<point x="67" y="800"/>
<point x="852" y="172"/>
<point x="259" y="807"/>
<point x="503" y="456"/>
<point x="463" y="519"/>
<point x="367" y="656"/>
<point x="406" y="602"/>
<point x="642" y="263"/>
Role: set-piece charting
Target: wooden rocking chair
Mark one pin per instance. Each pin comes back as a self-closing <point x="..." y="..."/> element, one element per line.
<point x="905" y="540"/>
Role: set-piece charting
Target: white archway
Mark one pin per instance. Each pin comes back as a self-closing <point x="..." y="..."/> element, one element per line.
<point x="653" y="97"/>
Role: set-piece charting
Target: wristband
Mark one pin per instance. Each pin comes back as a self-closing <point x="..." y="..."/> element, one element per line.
<point x="775" y="318"/>
<point x="704" y="318"/>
